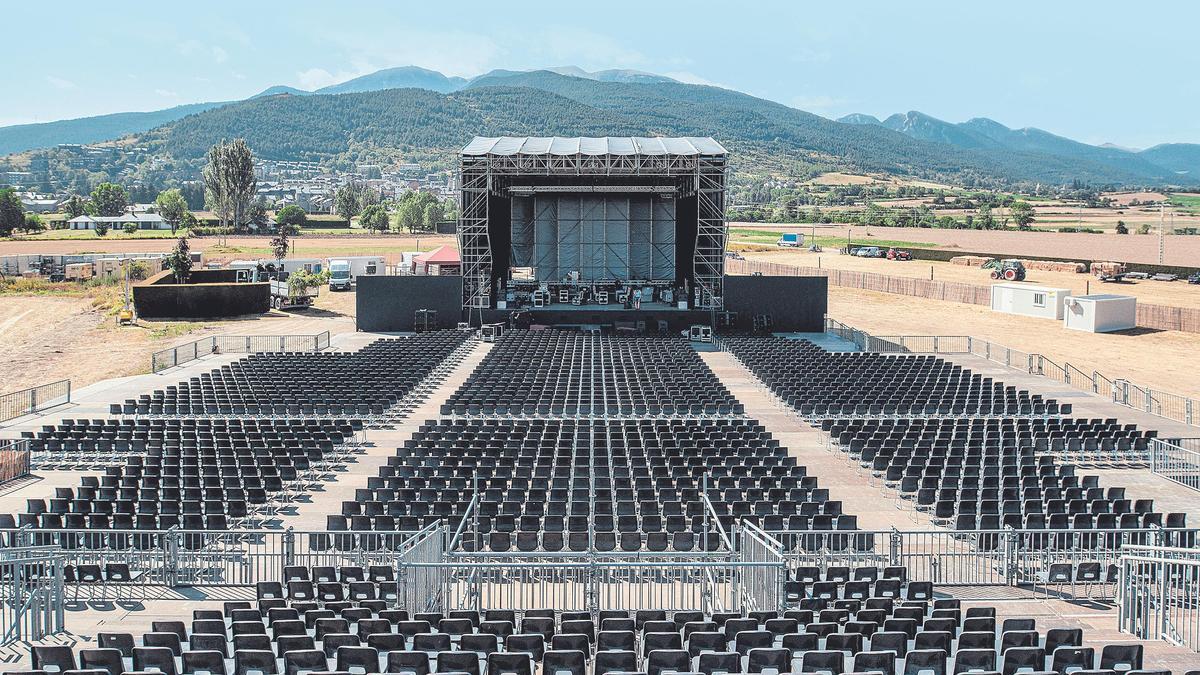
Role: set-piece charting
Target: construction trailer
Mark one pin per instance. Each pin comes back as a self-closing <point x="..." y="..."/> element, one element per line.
<point x="1040" y="302"/>
<point x="1101" y="313"/>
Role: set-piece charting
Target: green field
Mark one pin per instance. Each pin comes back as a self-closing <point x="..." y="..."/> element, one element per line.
<point x="1189" y="202"/>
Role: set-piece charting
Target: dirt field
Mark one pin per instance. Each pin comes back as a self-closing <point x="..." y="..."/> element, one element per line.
<point x="1180" y="250"/>
<point x="1175" y="293"/>
<point x="1163" y="359"/>
<point x="48" y="338"/>
<point x="241" y="247"/>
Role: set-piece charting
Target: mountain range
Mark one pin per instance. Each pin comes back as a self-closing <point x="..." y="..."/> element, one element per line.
<point x="1182" y="159"/>
<point x="410" y="112"/>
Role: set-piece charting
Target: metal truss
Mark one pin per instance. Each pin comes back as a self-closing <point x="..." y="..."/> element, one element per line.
<point x="482" y="175"/>
<point x="709" y="257"/>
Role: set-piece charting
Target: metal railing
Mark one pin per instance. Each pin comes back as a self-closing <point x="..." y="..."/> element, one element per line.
<point x="31" y="593"/>
<point x="762" y="585"/>
<point x="28" y="401"/>
<point x="1164" y="404"/>
<point x="979" y="558"/>
<point x="237" y="344"/>
<point x="14" y="460"/>
<point x="1159" y="594"/>
<point x="1174" y="460"/>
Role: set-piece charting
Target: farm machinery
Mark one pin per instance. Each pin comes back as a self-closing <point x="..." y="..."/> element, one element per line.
<point x="1008" y="270"/>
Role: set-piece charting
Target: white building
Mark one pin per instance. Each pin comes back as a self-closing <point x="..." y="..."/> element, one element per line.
<point x="1040" y="302"/>
<point x="144" y="221"/>
<point x="1101" y="313"/>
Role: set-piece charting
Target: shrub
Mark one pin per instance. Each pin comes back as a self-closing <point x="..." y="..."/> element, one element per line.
<point x="130" y="228"/>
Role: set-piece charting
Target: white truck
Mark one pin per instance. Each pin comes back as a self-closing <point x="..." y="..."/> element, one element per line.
<point x="343" y="272"/>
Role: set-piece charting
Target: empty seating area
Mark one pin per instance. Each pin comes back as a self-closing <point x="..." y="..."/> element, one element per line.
<point x="877" y="634"/>
<point x="362" y="383"/>
<point x="190" y="473"/>
<point x="546" y="373"/>
<point x="625" y="484"/>
<point x="821" y="384"/>
<point x="987" y="473"/>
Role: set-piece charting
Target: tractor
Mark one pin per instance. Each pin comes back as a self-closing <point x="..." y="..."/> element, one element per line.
<point x="1008" y="270"/>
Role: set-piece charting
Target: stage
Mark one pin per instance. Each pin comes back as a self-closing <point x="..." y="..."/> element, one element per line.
<point x="606" y="316"/>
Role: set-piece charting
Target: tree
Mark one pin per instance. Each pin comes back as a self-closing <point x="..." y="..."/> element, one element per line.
<point x="74" y="206"/>
<point x="374" y="218"/>
<point x="179" y="261"/>
<point x="130" y="228"/>
<point x="985" y="220"/>
<point x="101" y="228"/>
<point x="347" y="201"/>
<point x="229" y="182"/>
<point x="433" y="215"/>
<point x="12" y="212"/>
<point x="33" y="223"/>
<point x="171" y="206"/>
<point x="1022" y="214"/>
<point x="257" y="213"/>
<point x="291" y="215"/>
<point x="282" y="240"/>
<point x="188" y="221"/>
<point x="1121" y="228"/>
<point x="110" y="199"/>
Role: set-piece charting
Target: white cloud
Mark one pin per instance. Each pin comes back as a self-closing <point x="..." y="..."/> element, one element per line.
<point x="219" y="54"/>
<point x="315" y="78"/>
<point x="167" y="93"/>
<point x="687" y="77"/>
<point x="59" y="83"/>
<point x="816" y="102"/>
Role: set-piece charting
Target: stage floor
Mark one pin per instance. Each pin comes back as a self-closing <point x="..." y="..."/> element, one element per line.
<point x="616" y="307"/>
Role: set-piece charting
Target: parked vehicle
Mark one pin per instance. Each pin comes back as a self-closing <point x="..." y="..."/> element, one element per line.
<point x="1194" y="279"/>
<point x="1137" y="275"/>
<point x="285" y="295"/>
<point x="869" y="252"/>
<point x="1008" y="270"/>
<point x="339" y="275"/>
<point x="1165" y="276"/>
<point x="899" y="254"/>
<point x="791" y="240"/>
<point x="1107" y="277"/>
<point x="347" y="270"/>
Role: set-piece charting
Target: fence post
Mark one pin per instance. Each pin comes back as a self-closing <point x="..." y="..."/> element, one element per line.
<point x="970" y="344"/>
<point x="33" y="400"/>
<point x="895" y="547"/>
<point x="69" y="392"/>
<point x="1187" y="411"/>
<point x="1066" y="373"/>
<point x="171" y="558"/>
<point x="289" y="546"/>
<point x="935" y="345"/>
<point x="1149" y="402"/>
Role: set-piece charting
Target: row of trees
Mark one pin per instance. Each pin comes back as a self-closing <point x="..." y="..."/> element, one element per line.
<point x="1020" y="213"/>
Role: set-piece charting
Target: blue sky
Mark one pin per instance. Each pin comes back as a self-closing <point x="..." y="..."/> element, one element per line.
<point x="1094" y="71"/>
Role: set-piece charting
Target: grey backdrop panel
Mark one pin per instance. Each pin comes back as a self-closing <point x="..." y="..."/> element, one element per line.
<point x="522" y="232"/>
<point x="663" y="255"/>
<point x="796" y="304"/>
<point x="641" y="237"/>
<point x="545" y="242"/>
<point x="599" y="236"/>
<point x="388" y="304"/>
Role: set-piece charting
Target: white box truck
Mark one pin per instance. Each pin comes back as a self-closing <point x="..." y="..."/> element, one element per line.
<point x="343" y="272"/>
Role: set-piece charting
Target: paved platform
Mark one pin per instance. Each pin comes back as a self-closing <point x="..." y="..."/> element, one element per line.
<point x="875" y="509"/>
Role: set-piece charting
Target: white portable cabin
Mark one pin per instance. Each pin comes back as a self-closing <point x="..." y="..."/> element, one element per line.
<point x="364" y="265"/>
<point x="1101" y="313"/>
<point x="1037" y="301"/>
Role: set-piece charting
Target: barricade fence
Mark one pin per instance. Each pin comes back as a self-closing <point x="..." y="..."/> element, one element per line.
<point x="1158" y="317"/>
<point x="1159" y="594"/>
<point x="28" y="401"/>
<point x="31" y="593"/>
<point x="237" y="344"/>
<point x="14" y="460"/>
<point x="1164" y="404"/>
<point x="1174" y="460"/>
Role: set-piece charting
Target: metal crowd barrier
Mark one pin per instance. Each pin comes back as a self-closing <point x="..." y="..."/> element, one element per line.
<point x="1159" y="594"/>
<point x="28" y="401"/>
<point x="31" y="593"/>
<point x="985" y="558"/>
<point x="14" y="459"/>
<point x="237" y="344"/>
<point x="1172" y="459"/>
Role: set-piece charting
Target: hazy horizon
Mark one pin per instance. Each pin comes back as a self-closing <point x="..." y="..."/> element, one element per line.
<point x="1090" y="72"/>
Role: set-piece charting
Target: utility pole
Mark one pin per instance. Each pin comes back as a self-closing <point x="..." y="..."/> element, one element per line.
<point x="1161" y="240"/>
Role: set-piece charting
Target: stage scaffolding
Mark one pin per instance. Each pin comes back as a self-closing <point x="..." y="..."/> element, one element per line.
<point x="488" y="167"/>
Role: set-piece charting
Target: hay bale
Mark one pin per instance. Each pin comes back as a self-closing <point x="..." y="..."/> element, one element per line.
<point x="1055" y="266"/>
<point x="1108" y="268"/>
<point x="969" y="260"/>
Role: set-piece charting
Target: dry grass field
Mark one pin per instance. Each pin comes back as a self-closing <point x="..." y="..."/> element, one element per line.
<point x="1175" y="293"/>
<point x="1180" y="250"/>
<point x="241" y="247"/>
<point x="1162" y="359"/>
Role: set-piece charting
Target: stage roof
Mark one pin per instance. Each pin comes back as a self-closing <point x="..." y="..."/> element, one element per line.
<point x="607" y="145"/>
